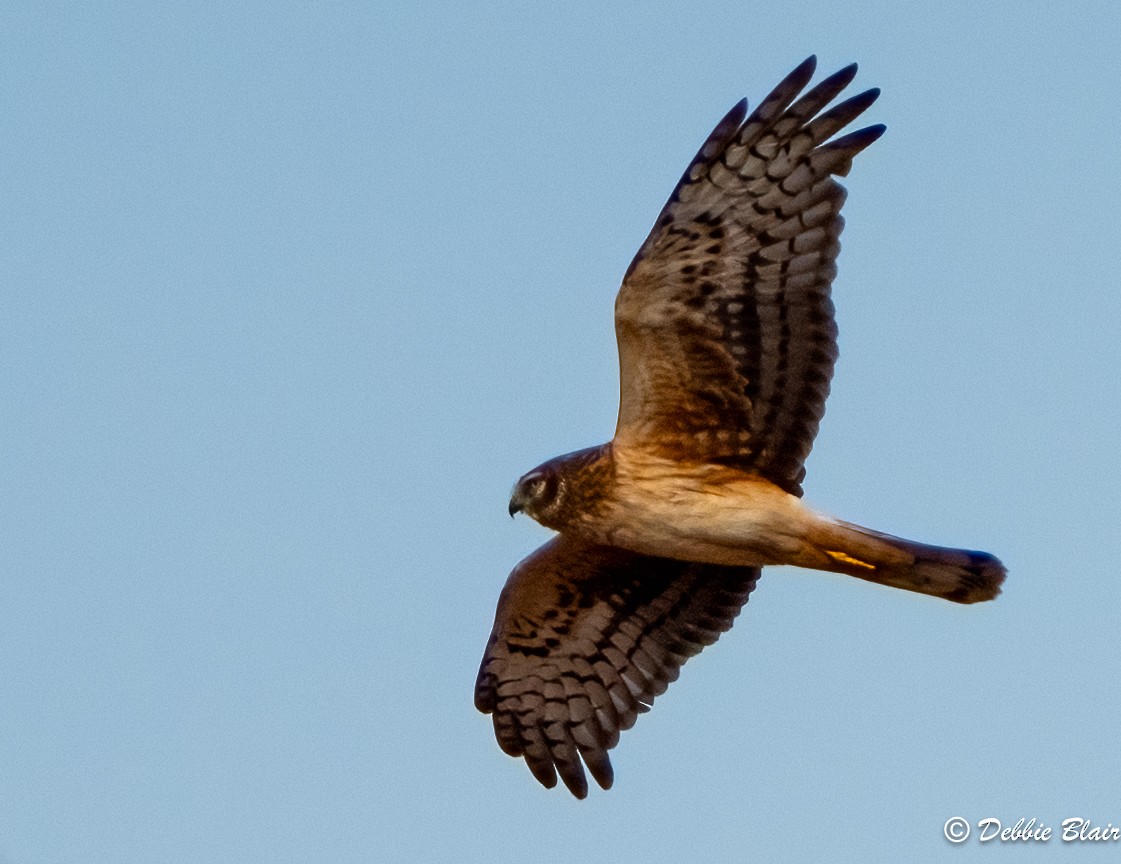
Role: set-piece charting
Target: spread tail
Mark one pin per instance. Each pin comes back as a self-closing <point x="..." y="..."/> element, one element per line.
<point x="958" y="575"/>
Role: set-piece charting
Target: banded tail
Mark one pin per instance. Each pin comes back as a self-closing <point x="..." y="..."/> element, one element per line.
<point x="958" y="575"/>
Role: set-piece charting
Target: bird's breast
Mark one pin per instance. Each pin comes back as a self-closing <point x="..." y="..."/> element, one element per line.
<point x="700" y="512"/>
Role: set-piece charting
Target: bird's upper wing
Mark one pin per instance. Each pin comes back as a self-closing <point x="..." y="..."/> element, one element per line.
<point x="724" y="322"/>
<point x="585" y="637"/>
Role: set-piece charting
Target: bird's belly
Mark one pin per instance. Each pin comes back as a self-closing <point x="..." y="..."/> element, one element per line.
<point x="739" y="522"/>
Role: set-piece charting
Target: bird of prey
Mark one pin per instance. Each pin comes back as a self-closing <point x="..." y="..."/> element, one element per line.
<point x="726" y="346"/>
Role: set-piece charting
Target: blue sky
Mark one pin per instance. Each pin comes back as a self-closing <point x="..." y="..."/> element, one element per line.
<point x="294" y="292"/>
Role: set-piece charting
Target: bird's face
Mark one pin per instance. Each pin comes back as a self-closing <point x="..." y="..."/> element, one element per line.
<point x="537" y="493"/>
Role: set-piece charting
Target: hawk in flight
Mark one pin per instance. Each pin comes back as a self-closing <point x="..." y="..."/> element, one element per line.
<point x="726" y="348"/>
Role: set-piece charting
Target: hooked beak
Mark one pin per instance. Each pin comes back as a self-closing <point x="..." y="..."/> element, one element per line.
<point x="516" y="506"/>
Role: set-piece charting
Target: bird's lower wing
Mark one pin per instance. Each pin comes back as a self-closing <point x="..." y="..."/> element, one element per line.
<point x="584" y="639"/>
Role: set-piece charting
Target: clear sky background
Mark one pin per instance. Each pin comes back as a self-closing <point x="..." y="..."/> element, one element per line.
<point x="293" y="292"/>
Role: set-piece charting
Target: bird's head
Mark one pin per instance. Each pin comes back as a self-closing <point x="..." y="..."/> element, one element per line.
<point x="538" y="494"/>
<point x="561" y="490"/>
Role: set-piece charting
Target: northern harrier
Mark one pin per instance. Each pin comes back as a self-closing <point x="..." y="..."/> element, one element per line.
<point x="726" y="347"/>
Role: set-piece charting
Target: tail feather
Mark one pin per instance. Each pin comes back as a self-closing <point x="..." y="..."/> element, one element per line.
<point x="958" y="575"/>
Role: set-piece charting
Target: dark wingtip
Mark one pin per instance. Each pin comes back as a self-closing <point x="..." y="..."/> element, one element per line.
<point x="874" y="132"/>
<point x="803" y="72"/>
<point x="730" y="123"/>
<point x="575" y="781"/>
<point x="599" y="765"/>
<point x="866" y="98"/>
<point x="841" y="78"/>
<point x="544" y="771"/>
<point x="856" y="141"/>
<point x="484" y="696"/>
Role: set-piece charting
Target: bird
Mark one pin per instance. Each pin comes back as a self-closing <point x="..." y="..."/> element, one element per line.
<point x="727" y="343"/>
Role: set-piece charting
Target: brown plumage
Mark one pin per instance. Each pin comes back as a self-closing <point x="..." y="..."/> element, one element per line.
<point x="726" y="349"/>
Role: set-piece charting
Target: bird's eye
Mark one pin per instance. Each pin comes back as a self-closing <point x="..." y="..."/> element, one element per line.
<point x="540" y="487"/>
